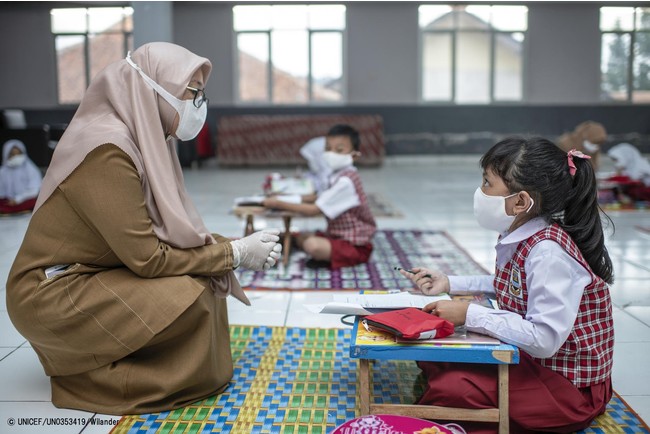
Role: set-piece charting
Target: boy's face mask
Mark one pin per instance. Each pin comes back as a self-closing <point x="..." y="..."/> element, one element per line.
<point x="190" y="117"/>
<point x="337" y="161"/>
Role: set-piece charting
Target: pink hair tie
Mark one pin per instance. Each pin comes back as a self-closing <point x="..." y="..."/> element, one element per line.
<point x="575" y="153"/>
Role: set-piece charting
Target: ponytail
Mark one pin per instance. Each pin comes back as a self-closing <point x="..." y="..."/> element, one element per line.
<point x="539" y="167"/>
<point x="582" y="220"/>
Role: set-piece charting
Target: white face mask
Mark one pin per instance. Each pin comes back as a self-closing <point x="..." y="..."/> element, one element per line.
<point x="16" y="160"/>
<point x="337" y="161"/>
<point x="490" y="211"/>
<point x="591" y="148"/>
<point x="190" y="118"/>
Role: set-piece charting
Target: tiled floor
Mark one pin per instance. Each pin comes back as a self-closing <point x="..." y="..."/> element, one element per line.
<point x="433" y="192"/>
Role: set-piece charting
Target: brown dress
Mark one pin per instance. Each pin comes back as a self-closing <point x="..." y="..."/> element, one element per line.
<point x="132" y="325"/>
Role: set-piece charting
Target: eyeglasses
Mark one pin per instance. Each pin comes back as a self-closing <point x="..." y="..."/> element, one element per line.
<point x="199" y="96"/>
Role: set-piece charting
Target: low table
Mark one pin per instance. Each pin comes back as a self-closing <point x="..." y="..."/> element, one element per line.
<point x="367" y="348"/>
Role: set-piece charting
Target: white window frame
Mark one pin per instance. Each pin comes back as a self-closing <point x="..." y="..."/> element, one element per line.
<point x="269" y="72"/>
<point x="454" y="36"/>
<point x="127" y="35"/>
<point x="630" y="54"/>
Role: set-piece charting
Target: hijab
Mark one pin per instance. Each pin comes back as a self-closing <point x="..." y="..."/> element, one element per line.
<point x="629" y="159"/>
<point x="18" y="181"/>
<point x="119" y="107"/>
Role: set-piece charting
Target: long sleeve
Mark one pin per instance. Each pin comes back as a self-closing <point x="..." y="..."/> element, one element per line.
<point x="555" y="283"/>
<point x="32" y="185"/>
<point x="106" y="192"/>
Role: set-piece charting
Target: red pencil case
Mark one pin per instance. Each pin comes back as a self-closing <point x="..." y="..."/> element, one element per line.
<point x="409" y="323"/>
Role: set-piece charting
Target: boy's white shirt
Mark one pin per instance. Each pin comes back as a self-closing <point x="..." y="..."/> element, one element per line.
<point x="339" y="197"/>
<point x="555" y="283"/>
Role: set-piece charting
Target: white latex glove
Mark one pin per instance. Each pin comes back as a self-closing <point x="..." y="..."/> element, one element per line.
<point x="258" y="251"/>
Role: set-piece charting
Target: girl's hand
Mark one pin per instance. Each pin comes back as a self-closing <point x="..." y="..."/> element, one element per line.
<point x="429" y="282"/>
<point x="453" y="311"/>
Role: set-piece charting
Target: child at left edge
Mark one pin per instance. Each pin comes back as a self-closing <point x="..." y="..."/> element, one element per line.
<point x="551" y="283"/>
<point x="350" y="224"/>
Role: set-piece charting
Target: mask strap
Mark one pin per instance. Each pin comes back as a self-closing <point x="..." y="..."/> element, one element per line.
<point x="532" y="201"/>
<point x="171" y="99"/>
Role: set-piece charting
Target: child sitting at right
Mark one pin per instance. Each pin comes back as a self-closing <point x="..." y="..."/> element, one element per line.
<point x="551" y="285"/>
<point x="632" y="172"/>
<point x="350" y="224"/>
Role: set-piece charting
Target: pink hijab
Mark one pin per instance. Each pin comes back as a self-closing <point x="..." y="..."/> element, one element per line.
<point x="120" y="108"/>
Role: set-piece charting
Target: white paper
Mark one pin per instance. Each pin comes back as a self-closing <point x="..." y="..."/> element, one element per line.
<point x="359" y="304"/>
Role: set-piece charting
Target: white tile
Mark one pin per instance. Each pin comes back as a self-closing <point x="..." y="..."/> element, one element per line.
<point x="640" y="404"/>
<point x="642" y="313"/>
<point x="629" y="329"/>
<point x="267" y="308"/>
<point x="41" y="417"/>
<point x="9" y="336"/>
<point x="23" y="379"/>
<point x="300" y="316"/>
<point x="631" y="375"/>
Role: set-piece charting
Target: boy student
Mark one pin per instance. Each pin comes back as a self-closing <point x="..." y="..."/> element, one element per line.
<point x="350" y="224"/>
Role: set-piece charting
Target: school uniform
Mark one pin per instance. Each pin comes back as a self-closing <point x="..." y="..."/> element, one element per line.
<point x="350" y="224"/>
<point x="558" y="313"/>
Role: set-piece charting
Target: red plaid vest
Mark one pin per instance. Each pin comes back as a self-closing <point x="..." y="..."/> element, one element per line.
<point x="356" y="225"/>
<point x="585" y="358"/>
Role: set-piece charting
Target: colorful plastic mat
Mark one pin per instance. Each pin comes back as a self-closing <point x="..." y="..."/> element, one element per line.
<point x="302" y="380"/>
<point x="403" y="248"/>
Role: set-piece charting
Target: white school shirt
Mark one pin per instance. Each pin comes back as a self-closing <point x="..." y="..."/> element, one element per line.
<point x="340" y="197"/>
<point x="555" y="283"/>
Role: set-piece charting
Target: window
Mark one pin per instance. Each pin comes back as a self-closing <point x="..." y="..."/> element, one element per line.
<point x="625" y="54"/>
<point x="289" y="54"/>
<point x="86" y="40"/>
<point x="472" y="54"/>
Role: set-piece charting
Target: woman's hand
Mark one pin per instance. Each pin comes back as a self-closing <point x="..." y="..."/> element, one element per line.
<point x="453" y="311"/>
<point x="429" y="282"/>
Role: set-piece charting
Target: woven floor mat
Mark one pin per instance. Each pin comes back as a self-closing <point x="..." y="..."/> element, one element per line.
<point x="302" y="380"/>
<point x="404" y="248"/>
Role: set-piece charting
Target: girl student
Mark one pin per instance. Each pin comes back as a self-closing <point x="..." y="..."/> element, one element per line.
<point x="551" y="285"/>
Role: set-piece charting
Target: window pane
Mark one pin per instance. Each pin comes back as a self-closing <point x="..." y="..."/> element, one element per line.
<point x="616" y="18"/>
<point x="436" y="66"/>
<point x="71" y="69"/>
<point x="473" y="17"/>
<point x="614" y="66"/>
<point x="253" y="50"/>
<point x="434" y="17"/>
<point x="641" y="93"/>
<point x="104" y="49"/>
<point x="473" y="67"/>
<point x="326" y="66"/>
<point x="643" y="18"/>
<point x="289" y="57"/>
<point x="289" y="17"/>
<point x="105" y="19"/>
<point x="508" y="63"/>
<point x="251" y="17"/>
<point x="68" y="20"/>
<point x="510" y="17"/>
<point x="128" y="19"/>
<point x="328" y="17"/>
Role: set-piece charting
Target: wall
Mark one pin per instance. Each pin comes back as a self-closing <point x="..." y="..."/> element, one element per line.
<point x="563" y="64"/>
<point x="561" y="70"/>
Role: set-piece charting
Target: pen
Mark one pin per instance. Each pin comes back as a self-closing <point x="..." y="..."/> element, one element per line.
<point x="410" y="271"/>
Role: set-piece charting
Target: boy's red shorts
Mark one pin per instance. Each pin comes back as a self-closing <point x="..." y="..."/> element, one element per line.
<point x="346" y="254"/>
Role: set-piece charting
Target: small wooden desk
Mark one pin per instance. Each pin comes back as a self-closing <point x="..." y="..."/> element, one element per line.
<point x="502" y="355"/>
<point x="249" y="212"/>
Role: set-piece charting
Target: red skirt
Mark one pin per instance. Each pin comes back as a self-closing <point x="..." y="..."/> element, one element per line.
<point x="539" y="399"/>
<point x="346" y="254"/>
<point x="27" y="205"/>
